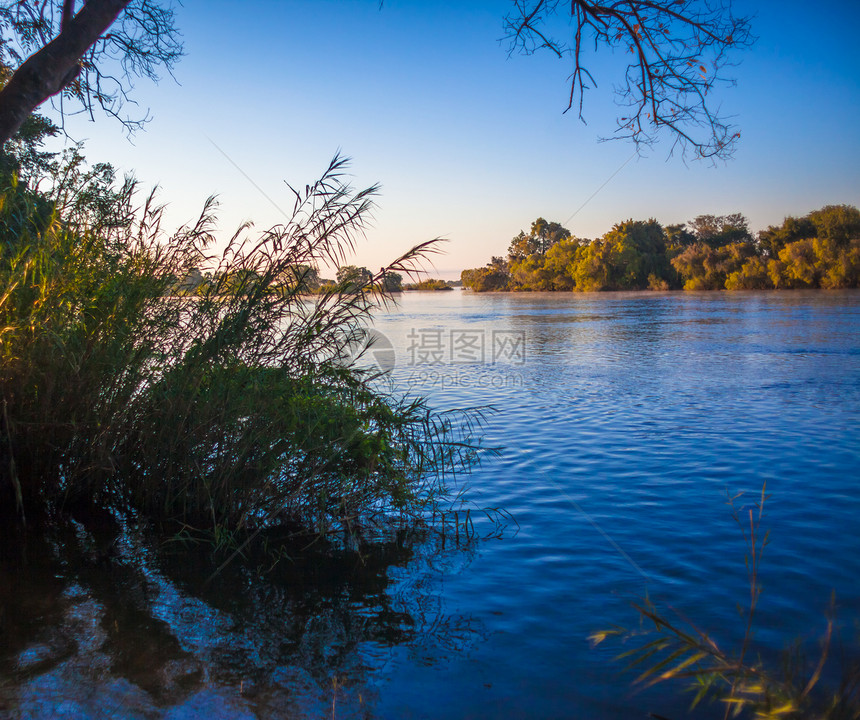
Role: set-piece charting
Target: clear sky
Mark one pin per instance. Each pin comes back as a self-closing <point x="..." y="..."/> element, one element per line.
<point x="466" y="142"/>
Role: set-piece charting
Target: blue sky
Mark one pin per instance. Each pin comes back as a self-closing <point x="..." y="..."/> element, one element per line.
<point x="467" y="143"/>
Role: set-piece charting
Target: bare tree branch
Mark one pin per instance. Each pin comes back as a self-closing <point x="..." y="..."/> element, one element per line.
<point x="679" y="49"/>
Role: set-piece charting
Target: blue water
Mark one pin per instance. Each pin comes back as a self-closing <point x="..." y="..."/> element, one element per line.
<point x="625" y="419"/>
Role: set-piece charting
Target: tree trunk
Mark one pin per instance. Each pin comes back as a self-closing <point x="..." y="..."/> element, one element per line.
<point x="50" y="69"/>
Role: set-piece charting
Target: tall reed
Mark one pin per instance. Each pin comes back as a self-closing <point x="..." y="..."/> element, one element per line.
<point x="670" y="647"/>
<point x="233" y="407"/>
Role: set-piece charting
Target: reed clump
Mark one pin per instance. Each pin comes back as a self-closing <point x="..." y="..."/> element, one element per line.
<point x="230" y="409"/>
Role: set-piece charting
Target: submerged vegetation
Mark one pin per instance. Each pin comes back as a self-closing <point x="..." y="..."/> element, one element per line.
<point x="235" y="409"/>
<point x="819" y="250"/>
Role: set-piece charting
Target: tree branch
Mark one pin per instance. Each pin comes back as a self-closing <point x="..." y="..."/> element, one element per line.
<point x="679" y="46"/>
<point x="68" y="13"/>
<point x="50" y="69"/>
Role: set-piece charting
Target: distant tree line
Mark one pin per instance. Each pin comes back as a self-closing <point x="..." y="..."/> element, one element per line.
<point x="301" y="278"/>
<point x="434" y="284"/>
<point x="711" y="252"/>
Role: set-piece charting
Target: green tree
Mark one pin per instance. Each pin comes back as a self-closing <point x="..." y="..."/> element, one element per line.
<point x="352" y="276"/>
<point x="697" y="268"/>
<point x="433" y="284"/>
<point x="392" y="282"/>
<point x="704" y="267"/>
<point x="527" y="257"/>
<point x="302" y="278"/>
<point x="522" y="246"/>
<point x="717" y="252"/>
<point x="638" y="254"/>
<point x="774" y="239"/>
<point x="678" y="238"/>
<point x="23" y="154"/>
<point x="548" y="234"/>
<point x="843" y="264"/>
<point x="800" y="265"/>
<point x="837" y="223"/>
<point x="542" y="236"/>
<point x="530" y="273"/>
<point x="840" y="223"/>
<point x="492" y="277"/>
<point x="631" y="256"/>
<point x="753" y="275"/>
<point x="591" y="271"/>
<point x="560" y="262"/>
<point x="719" y="230"/>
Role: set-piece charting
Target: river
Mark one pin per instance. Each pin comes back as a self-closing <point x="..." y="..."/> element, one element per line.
<point x="624" y="420"/>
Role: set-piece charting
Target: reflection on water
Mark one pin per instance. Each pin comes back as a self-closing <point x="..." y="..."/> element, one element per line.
<point x="631" y="413"/>
<point x="141" y="634"/>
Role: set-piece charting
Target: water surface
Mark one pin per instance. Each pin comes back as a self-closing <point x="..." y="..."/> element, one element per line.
<point x="625" y="419"/>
